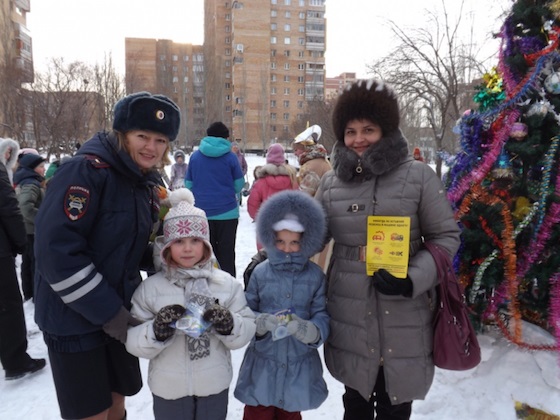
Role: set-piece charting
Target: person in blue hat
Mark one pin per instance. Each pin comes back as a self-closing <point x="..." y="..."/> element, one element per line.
<point x="91" y="240"/>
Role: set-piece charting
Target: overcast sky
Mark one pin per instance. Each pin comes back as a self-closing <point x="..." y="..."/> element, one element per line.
<point x="357" y="33"/>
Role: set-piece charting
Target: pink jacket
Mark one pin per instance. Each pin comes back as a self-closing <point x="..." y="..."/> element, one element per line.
<point x="271" y="179"/>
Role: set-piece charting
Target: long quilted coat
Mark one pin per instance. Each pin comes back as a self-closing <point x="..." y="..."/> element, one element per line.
<point x="369" y="329"/>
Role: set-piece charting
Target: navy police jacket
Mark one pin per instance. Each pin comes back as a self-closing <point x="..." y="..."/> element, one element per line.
<point x="92" y="232"/>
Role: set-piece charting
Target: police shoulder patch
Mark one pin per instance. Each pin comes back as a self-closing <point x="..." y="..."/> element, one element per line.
<point x="76" y="202"/>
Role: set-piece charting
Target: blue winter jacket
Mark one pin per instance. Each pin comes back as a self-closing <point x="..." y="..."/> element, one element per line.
<point x="92" y="231"/>
<point x="285" y="373"/>
<point x="214" y="176"/>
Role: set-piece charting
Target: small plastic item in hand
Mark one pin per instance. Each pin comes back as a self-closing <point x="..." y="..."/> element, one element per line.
<point x="284" y="316"/>
<point x="192" y="323"/>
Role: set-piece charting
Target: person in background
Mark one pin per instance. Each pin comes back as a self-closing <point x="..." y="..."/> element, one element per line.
<point x="273" y="177"/>
<point x="178" y="171"/>
<point x="282" y="375"/>
<point x="417" y="154"/>
<point x="215" y="178"/>
<point x="380" y="345"/>
<point x="15" y="360"/>
<point x="91" y="240"/>
<point x="189" y="373"/>
<point x="30" y="190"/>
<point x="243" y="163"/>
<point x="312" y="158"/>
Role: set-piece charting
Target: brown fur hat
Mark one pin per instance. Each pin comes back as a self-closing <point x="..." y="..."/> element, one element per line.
<point x="366" y="99"/>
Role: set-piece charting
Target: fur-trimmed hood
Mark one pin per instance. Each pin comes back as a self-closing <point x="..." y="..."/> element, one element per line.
<point x="274" y="170"/>
<point x="4" y="145"/>
<point x="308" y="212"/>
<point x="378" y="158"/>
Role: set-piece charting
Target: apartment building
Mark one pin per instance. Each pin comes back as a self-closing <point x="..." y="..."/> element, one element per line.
<point x="175" y="70"/>
<point x="335" y="85"/>
<point x="16" y="65"/>
<point x="264" y="61"/>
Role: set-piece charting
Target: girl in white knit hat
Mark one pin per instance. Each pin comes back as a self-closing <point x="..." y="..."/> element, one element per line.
<point x="190" y="369"/>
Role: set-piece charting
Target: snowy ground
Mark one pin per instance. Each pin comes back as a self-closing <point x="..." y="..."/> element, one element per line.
<point x="488" y="392"/>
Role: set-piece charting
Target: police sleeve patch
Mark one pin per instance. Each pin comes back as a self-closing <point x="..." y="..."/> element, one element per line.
<point x="76" y="202"/>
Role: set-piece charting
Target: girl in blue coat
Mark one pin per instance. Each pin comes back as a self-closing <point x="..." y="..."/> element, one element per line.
<point x="281" y="373"/>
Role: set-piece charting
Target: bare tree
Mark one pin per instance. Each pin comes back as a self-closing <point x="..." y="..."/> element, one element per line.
<point x="432" y="69"/>
<point x="110" y="86"/>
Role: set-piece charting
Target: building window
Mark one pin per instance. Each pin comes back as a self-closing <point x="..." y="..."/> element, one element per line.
<point x="287" y="27"/>
<point x="273" y="13"/>
<point x="175" y="79"/>
<point x="273" y="40"/>
<point x="162" y="57"/>
<point x="185" y="58"/>
<point x="286" y="116"/>
<point x="286" y="66"/>
<point x="273" y="78"/>
<point x="228" y="98"/>
<point x="227" y="40"/>
<point x="228" y="16"/>
<point x="286" y="53"/>
<point x="301" y="66"/>
<point x="228" y="63"/>
<point x="300" y="92"/>
<point x="185" y="79"/>
<point x="227" y="85"/>
<point x="301" y="28"/>
<point x="174" y="57"/>
<point x="287" y="2"/>
<point x="286" y="91"/>
<point x="273" y="128"/>
<point x="301" y="14"/>
<point x="273" y="1"/>
<point x="273" y="53"/>
<point x="286" y="104"/>
<point x="288" y="14"/>
<point x="227" y="28"/>
<point x="286" y="129"/>
<point x="228" y="51"/>
<point x="301" y="41"/>
<point x="273" y="65"/>
<point x="300" y="104"/>
<point x="286" y="78"/>
<point x="300" y="79"/>
<point x="273" y="115"/>
<point x="273" y="26"/>
<point x="287" y="40"/>
<point x="273" y="103"/>
<point x="316" y="2"/>
<point x="273" y="91"/>
<point x="301" y="3"/>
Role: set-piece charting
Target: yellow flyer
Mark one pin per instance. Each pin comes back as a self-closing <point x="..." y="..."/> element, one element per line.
<point x="388" y="244"/>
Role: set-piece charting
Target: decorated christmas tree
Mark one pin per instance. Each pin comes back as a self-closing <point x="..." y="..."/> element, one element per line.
<point x="504" y="183"/>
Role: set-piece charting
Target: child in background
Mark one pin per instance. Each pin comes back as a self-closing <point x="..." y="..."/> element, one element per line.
<point x="178" y="171"/>
<point x="189" y="375"/>
<point x="280" y="377"/>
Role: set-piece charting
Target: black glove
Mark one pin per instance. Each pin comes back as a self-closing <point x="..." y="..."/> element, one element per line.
<point x="258" y="258"/>
<point x="117" y="327"/>
<point x="220" y="317"/>
<point x="388" y="284"/>
<point x="165" y="316"/>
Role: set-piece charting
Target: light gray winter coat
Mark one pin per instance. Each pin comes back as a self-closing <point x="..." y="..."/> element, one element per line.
<point x="369" y="329"/>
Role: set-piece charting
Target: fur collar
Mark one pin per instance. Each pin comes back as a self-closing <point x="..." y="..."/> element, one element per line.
<point x="271" y="169"/>
<point x="378" y="159"/>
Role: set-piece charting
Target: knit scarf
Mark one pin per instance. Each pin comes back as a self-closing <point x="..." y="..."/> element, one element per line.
<point x="315" y="151"/>
<point x="195" y="283"/>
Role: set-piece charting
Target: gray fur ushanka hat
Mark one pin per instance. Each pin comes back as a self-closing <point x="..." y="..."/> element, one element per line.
<point x="366" y="99"/>
<point x="284" y="206"/>
<point x="144" y="111"/>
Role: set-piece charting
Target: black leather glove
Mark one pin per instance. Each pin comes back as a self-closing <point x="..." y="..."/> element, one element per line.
<point x="117" y="327"/>
<point x="258" y="258"/>
<point x="220" y="317"/>
<point x="388" y="284"/>
<point x="165" y="316"/>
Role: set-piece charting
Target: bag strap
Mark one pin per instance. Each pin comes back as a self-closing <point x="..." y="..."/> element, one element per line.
<point x="449" y="287"/>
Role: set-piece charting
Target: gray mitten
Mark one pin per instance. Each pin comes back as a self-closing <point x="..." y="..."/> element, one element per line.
<point x="304" y="331"/>
<point x="162" y="322"/>
<point x="220" y="317"/>
<point x="117" y="327"/>
<point x="266" y="323"/>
